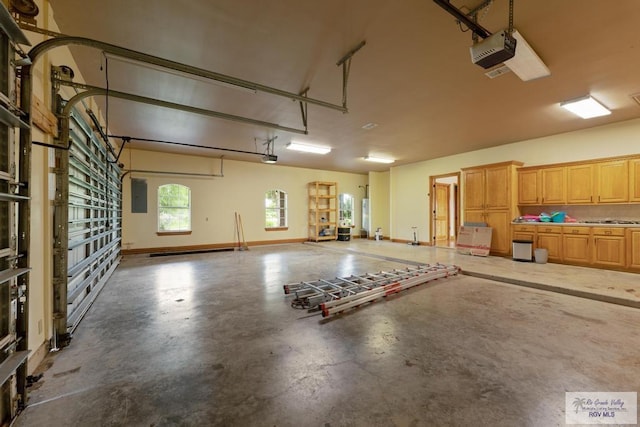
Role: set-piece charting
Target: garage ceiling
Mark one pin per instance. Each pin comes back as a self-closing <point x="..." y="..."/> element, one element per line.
<point x="413" y="78"/>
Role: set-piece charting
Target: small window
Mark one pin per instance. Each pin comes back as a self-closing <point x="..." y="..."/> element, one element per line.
<point x="275" y="207"/>
<point x="345" y="202"/>
<point x="174" y="208"/>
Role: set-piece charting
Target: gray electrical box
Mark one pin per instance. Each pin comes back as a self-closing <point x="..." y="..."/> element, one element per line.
<point x="138" y="195"/>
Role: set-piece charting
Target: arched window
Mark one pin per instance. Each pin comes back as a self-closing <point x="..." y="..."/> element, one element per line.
<point x="275" y="209"/>
<point x="345" y="206"/>
<point x="174" y="208"/>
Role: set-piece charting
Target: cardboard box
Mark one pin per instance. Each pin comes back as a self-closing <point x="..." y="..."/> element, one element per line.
<point x="474" y="240"/>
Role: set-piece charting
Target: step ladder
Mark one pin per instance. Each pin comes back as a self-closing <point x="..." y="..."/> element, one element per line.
<point x="335" y="295"/>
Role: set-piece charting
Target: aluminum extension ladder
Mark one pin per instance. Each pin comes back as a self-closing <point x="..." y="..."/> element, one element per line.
<point x="333" y="296"/>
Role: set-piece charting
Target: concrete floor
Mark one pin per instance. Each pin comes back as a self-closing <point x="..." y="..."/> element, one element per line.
<point x="210" y="339"/>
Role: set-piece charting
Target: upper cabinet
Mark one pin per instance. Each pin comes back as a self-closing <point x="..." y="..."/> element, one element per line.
<point x="634" y="180"/>
<point x="612" y="181"/>
<point x="542" y="186"/>
<point x="529" y="187"/>
<point x="580" y="184"/>
<point x="473" y="181"/>
<point x="498" y="187"/>
<point x="554" y="186"/>
<point x="585" y="183"/>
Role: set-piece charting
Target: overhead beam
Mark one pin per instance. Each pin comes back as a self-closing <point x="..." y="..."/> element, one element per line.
<point x="457" y="13"/>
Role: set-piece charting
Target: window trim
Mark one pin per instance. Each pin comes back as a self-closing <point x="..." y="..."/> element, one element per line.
<point x="352" y="210"/>
<point x="280" y="210"/>
<point x="173" y="233"/>
<point x="188" y="208"/>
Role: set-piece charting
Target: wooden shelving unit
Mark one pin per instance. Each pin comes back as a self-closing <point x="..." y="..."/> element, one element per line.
<point x="323" y="210"/>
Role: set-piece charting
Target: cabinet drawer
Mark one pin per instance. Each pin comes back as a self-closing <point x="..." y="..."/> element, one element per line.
<point x="602" y="231"/>
<point x="550" y="229"/>
<point x="525" y="228"/>
<point x="576" y="230"/>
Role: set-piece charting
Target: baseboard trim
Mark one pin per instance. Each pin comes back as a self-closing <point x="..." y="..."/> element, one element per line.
<point x="203" y="248"/>
<point x="37" y="357"/>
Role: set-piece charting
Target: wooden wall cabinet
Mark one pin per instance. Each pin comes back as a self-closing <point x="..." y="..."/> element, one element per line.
<point x="616" y="180"/>
<point x="489" y="195"/>
<point x="634" y="180"/>
<point x="580" y="186"/>
<point x="543" y="186"/>
<point x="553" y="186"/>
<point x="612" y="181"/>
<point x="529" y="187"/>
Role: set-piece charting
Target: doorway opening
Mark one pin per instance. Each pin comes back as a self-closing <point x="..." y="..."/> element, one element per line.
<point x="445" y="209"/>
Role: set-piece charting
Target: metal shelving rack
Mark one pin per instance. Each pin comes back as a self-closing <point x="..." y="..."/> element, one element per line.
<point x="323" y="210"/>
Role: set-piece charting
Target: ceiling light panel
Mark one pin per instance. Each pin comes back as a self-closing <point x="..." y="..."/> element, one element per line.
<point x="586" y="107"/>
<point x="378" y="159"/>
<point x="307" y="148"/>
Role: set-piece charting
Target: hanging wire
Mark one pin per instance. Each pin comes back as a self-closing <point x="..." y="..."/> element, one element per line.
<point x="510" y="30"/>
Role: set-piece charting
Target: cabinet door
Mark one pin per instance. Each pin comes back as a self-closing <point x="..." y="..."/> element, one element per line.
<point x="497" y="187"/>
<point x="609" y="251"/>
<point x="633" y="248"/>
<point x="528" y="187"/>
<point x="634" y="180"/>
<point x="575" y="248"/>
<point x="500" y="222"/>
<point x="552" y="243"/>
<point x="580" y="184"/>
<point x="474" y="215"/>
<point x="553" y="185"/>
<point x="613" y="181"/>
<point x="474" y="189"/>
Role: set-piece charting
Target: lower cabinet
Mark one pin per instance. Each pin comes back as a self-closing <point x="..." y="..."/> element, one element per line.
<point x="633" y="248"/>
<point x="549" y="237"/>
<point x="500" y="222"/>
<point x="608" y="247"/>
<point x="575" y="245"/>
<point x="525" y="232"/>
<point x="614" y="248"/>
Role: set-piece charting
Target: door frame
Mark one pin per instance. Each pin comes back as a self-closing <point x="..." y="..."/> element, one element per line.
<point x="432" y="204"/>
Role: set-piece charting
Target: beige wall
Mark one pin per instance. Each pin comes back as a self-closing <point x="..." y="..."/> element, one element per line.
<point x="410" y="183"/>
<point x="215" y="200"/>
<point x="379" y="202"/>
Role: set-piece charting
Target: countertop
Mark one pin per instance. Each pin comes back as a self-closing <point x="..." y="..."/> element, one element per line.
<point x="578" y="224"/>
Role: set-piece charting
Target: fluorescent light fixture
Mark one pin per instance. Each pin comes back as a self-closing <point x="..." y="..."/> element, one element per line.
<point x="369" y="126"/>
<point x="307" y="148"/>
<point x="378" y="159"/>
<point x="585" y="107"/>
<point x="269" y="159"/>
<point x="526" y="64"/>
<point x="178" y="73"/>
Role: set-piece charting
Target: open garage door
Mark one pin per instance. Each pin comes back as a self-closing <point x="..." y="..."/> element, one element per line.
<point x="87" y="224"/>
<point x="14" y="229"/>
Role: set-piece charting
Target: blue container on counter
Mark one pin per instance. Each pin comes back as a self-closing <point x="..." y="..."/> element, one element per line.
<point x="558" y="216"/>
